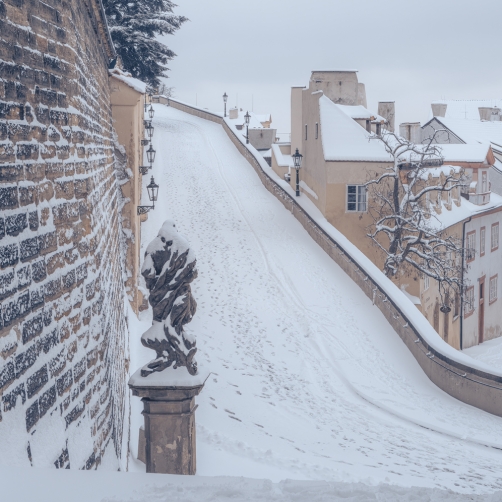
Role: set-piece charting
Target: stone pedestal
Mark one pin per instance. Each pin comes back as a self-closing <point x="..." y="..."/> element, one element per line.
<point x="169" y="413"/>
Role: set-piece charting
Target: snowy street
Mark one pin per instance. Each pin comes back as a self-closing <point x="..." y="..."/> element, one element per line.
<point x="308" y="379"/>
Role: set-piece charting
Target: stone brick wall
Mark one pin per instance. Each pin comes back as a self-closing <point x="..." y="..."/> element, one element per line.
<point x="63" y="345"/>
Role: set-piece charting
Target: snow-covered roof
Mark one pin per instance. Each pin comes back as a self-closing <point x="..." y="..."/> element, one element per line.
<point x="281" y="159"/>
<point x="255" y="122"/>
<point x="127" y="78"/>
<point x="465" y="153"/>
<point x="447" y="218"/>
<point x="436" y="172"/>
<point x="467" y="108"/>
<point x="474" y="131"/>
<point x="359" y="112"/>
<point x="343" y="139"/>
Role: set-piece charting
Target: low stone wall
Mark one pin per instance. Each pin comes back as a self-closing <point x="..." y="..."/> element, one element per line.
<point x="467" y="384"/>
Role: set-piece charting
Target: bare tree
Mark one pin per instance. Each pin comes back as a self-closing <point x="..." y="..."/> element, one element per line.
<point x="405" y="225"/>
<point x="164" y="90"/>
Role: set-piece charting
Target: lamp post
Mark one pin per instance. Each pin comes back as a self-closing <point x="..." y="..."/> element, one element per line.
<point x="246" y="118"/>
<point x="225" y="97"/>
<point x="297" y="159"/>
<point x="151" y="112"/>
<point x="153" y="192"/>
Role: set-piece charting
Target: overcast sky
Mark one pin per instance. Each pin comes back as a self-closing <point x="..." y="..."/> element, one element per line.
<point x="409" y="51"/>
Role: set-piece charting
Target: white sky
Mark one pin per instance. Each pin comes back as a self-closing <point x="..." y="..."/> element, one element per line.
<point x="409" y="51"/>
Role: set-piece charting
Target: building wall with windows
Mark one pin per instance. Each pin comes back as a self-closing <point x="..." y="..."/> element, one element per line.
<point x="482" y="319"/>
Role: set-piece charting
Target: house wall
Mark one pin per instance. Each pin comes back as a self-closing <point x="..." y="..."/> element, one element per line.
<point x="485" y="266"/>
<point x="443" y="137"/>
<point x="128" y="116"/>
<point x="63" y="344"/>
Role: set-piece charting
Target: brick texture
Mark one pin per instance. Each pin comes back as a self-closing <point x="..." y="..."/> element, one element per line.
<point x="62" y="324"/>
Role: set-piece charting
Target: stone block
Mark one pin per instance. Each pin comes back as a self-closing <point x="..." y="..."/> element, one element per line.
<point x="7" y="374"/>
<point x="10" y="400"/>
<point x="28" y="195"/>
<point x="47" y="401"/>
<point x="37" y="381"/>
<point x="48" y="242"/>
<point x="32" y="416"/>
<point x="16" y="223"/>
<point x="8" y="198"/>
<point x="57" y="364"/>
<point x="74" y="414"/>
<point x="65" y="382"/>
<point x="26" y="360"/>
<point x="37" y="297"/>
<point x="53" y="289"/>
<point x="33" y="220"/>
<point x="29" y="248"/>
<point x="23" y="276"/>
<point x="38" y="270"/>
<point x="9" y="255"/>
<point x="32" y="328"/>
<point x="7" y="284"/>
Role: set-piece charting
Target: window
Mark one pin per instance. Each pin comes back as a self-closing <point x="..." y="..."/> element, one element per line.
<point x="484" y="182"/>
<point x="316" y="130"/>
<point x="471" y="246"/>
<point x="495" y="236"/>
<point x="469" y="301"/>
<point x="305" y="132"/>
<point x="482" y="234"/>
<point x="356" y="198"/>
<point x="427" y="282"/>
<point x="456" y="306"/>
<point x="493" y="288"/>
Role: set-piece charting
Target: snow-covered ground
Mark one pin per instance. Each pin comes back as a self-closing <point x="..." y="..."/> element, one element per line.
<point x="309" y="380"/>
<point x="489" y="352"/>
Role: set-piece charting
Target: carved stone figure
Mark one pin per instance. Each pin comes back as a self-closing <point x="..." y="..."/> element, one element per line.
<point x="169" y="268"/>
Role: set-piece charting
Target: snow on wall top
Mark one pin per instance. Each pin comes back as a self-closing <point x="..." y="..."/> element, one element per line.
<point x="465" y="153"/>
<point x="281" y="159"/>
<point x="343" y="139"/>
<point x="127" y="78"/>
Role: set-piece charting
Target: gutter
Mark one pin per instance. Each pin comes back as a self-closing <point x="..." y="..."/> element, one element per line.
<point x="462" y="295"/>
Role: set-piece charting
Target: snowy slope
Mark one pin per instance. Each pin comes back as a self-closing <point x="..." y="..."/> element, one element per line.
<point x="310" y="381"/>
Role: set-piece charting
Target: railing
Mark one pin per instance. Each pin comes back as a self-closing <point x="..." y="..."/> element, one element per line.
<point x="458" y="375"/>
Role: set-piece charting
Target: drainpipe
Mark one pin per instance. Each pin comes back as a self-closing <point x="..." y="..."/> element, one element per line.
<point x="462" y="295"/>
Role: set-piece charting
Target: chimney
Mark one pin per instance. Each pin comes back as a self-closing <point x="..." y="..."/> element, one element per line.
<point x="485" y="112"/>
<point x="387" y="110"/>
<point x="233" y="113"/>
<point x="439" y="109"/>
<point x="411" y="131"/>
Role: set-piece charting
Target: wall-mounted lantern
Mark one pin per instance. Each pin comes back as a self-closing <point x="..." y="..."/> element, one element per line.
<point x="153" y="192"/>
<point x="149" y="129"/>
<point x="151" y="112"/>
<point x="150" y="155"/>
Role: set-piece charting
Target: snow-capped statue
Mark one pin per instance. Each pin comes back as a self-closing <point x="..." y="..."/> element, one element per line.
<point x="169" y="268"/>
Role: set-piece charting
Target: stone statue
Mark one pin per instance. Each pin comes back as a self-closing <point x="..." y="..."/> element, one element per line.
<point x="169" y="268"/>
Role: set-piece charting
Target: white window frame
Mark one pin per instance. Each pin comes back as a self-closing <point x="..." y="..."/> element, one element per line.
<point x="469" y="301"/>
<point x="427" y="282"/>
<point x="495" y="236"/>
<point x="482" y="241"/>
<point x="361" y="205"/>
<point x="471" y="246"/>
<point x="484" y="181"/>
<point x="493" y="293"/>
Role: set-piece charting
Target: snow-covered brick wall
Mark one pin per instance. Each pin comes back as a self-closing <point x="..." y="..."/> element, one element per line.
<point x="63" y="347"/>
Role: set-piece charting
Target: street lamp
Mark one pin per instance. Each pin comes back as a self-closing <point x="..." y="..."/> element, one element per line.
<point x="246" y="118"/>
<point x="150" y="155"/>
<point x="149" y="129"/>
<point x="151" y="112"/>
<point x="297" y="159"/>
<point x="153" y="192"/>
<point x="225" y="97"/>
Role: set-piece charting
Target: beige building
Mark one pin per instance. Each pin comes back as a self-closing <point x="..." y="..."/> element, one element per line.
<point x="128" y="100"/>
<point x="332" y="128"/>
